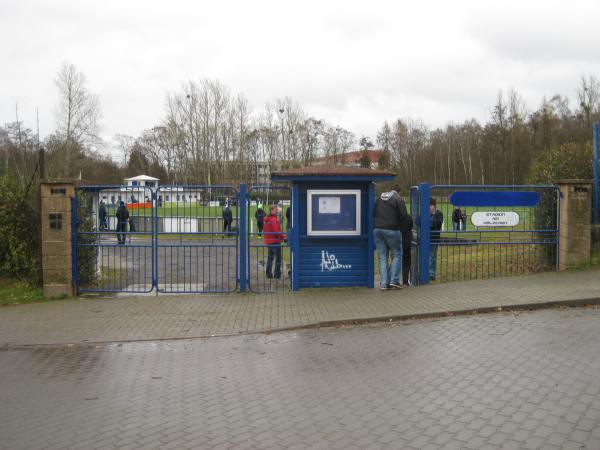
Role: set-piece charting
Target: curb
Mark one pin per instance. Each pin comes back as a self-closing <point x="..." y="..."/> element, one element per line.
<point x="575" y="303"/>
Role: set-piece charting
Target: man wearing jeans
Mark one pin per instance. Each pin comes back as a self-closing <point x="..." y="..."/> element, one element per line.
<point x="388" y="215"/>
<point x="273" y="239"/>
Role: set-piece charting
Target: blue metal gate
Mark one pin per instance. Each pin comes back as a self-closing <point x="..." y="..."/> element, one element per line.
<point x="196" y="238"/>
<point x="176" y="239"/>
<point x="179" y="239"/>
<point x="487" y="231"/>
<point x="111" y="255"/>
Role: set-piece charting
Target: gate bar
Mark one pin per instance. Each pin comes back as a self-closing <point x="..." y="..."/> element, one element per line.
<point x="293" y="237"/>
<point x="74" y="257"/>
<point x="424" y="232"/>
<point x="242" y="272"/>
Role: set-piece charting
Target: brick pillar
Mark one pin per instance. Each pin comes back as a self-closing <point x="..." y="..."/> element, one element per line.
<point x="575" y="222"/>
<point x="56" y="237"/>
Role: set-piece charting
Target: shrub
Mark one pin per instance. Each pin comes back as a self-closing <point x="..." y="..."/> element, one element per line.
<point x="570" y="160"/>
<point x="19" y="233"/>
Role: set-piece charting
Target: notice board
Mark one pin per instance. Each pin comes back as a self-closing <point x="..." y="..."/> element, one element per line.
<point x="332" y="212"/>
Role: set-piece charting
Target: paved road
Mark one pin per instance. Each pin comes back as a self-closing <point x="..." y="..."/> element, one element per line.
<point x="529" y="380"/>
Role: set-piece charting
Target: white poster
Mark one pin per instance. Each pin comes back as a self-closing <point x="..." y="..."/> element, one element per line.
<point x="495" y="219"/>
<point x="329" y="205"/>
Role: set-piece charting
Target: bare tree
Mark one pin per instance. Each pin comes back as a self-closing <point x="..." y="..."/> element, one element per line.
<point x="588" y="95"/>
<point x="125" y="144"/>
<point x="77" y="114"/>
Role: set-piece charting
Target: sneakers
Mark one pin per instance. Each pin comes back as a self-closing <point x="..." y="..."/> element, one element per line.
<point x="391" y="287"/>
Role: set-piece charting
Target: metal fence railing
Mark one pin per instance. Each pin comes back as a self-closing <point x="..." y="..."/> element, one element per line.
<point x="478" y="241"/>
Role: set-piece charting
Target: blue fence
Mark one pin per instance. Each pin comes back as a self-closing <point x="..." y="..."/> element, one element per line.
<point x="208" y="238"/>
<point x="175" y="239"/>
<point x="485" y="232"/>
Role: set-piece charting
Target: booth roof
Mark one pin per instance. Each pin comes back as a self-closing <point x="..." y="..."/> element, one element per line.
<point x="141" y="178"/>
<point x="332" y="171"/>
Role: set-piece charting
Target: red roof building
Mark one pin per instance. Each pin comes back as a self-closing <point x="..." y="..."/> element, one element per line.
<point x="350" y="159"/>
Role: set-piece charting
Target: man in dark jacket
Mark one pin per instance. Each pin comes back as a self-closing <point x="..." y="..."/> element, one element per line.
<point x="463" y="219"/>
<point x="122" y="216"/>
<point x="102" y="217"/>
<point x="436" y="220"/>
<point x="260" y="218"/>
<point x="388" y="215"/>
<point x="288" y="219"/>
<point x="227" y="219"/>
<point x="456" y="218"/>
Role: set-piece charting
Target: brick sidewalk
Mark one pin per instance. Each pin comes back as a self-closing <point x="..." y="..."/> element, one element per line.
<point x="186" y="316"/>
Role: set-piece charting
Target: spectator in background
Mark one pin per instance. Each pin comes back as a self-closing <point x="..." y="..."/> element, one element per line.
<point x="273" y="239"/>
<point x="436" y="220"/>
<point x="463" y="219"/>
<point x="287" y="218"/>
<point x="227" y="219"/>
<point x="456" y="218"/>
<point x="388" y="214"/>
<point x="260" y="218"/>
<point x="122" y="216"/>
<point x="102" y="217"/>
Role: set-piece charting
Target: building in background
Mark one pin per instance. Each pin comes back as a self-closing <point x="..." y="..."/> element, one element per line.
<point x="351" y="159"/>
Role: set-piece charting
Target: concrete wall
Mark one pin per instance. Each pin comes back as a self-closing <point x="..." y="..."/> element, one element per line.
<point x="575" y="222"/>
<point x="56" y="237"/>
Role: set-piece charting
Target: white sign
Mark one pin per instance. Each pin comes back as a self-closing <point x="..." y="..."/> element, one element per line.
<point x="495" y="219"/>
<point x="330" y="262"/>
<point x="329" y="205"/>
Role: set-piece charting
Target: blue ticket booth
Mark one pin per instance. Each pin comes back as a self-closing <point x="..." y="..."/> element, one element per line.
<point x="332" y="212"/>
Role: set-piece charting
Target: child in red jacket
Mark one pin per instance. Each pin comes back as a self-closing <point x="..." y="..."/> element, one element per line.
<point x="273" y="239"/>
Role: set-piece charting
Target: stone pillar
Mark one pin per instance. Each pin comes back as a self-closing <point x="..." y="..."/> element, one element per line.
<point x="575" y="222"/>
<point x="56" y="237"/>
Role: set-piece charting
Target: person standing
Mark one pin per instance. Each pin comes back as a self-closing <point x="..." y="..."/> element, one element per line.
<point x="227" y="219"/>
<point x="102" y="216"/>
<point x="388" y="214"/>
<point x="456" y="218"/>
<point x="260" y="218"/>
<point x="288" y="219"/>
<point x="436" y="220"/>
<point x="273" y="239"/>
<point x="463" y="218"/>
<point x="406" y="227"/>
<point x="122" y="216"/>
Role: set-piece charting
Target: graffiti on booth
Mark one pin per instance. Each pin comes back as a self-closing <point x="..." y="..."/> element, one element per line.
<point x="329" y="262"/>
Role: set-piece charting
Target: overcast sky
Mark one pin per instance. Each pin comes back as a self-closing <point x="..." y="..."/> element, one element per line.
<point x="354" y="64"/>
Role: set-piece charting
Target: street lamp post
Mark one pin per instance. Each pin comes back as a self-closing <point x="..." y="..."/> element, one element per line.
<point x="281" y="111"/>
